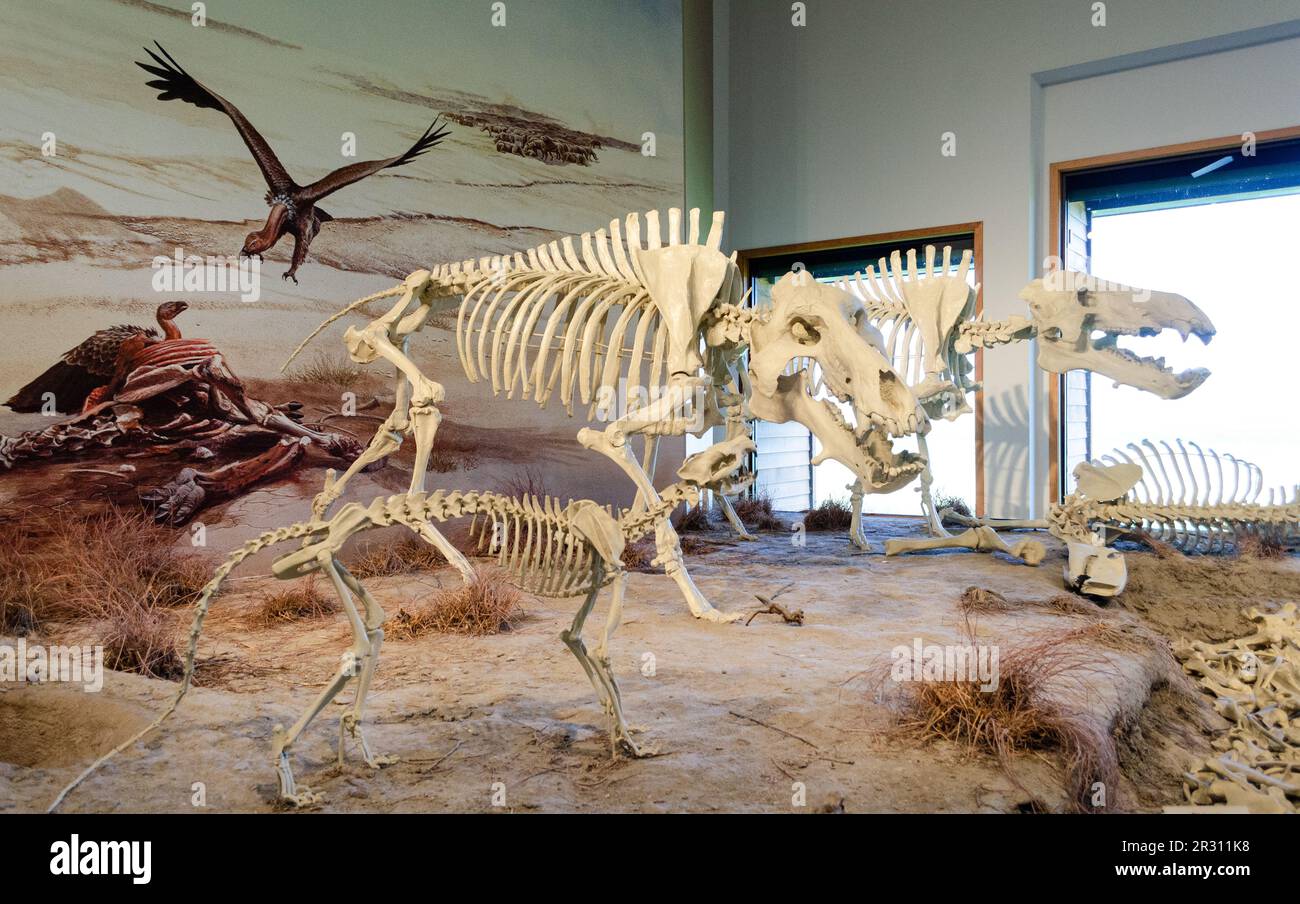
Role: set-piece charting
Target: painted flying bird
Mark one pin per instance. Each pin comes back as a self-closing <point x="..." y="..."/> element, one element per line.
<point x="293" y="206"/>
<point x="88" y="374"/>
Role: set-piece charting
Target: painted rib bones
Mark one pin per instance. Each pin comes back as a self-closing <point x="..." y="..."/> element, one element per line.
<point x="664" y="317"/>
<point x="925" y="316"/>
<point x="542" y="546"/>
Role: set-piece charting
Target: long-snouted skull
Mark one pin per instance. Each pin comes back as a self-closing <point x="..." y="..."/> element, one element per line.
<point x="813" y="322"/>
<point x="1080" y="320"/>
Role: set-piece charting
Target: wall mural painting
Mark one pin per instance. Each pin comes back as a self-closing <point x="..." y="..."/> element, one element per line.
<point x="164" y="246"/>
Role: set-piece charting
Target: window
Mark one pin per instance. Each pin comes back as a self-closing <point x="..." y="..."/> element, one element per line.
<point x="785" y="451"/>
<point x="1217" y="228"/>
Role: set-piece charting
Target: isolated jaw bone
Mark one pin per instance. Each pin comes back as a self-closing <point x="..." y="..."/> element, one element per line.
<point x="814" y="322"/>
<point x="1095" y="570"/>
<point x="1068" y="308"/>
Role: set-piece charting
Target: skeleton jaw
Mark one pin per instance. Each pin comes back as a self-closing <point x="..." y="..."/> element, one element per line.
<point x="866" y="449"/>
<point x="1104" y="355"/>
<point x="1068" y="320"/>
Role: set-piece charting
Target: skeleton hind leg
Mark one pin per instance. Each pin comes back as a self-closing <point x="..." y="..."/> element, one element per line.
<point x="572" y="637"/>
<point x="361" y="649"/>
<point x="620" y="732"/>
<point x="350" y="724"/>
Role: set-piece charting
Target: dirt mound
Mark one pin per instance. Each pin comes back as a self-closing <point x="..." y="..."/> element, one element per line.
<point x="1205" y="597"/>
<point x="49" y="727"/>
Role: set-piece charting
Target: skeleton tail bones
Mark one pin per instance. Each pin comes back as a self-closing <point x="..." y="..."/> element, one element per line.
<point x="565" y="551"/>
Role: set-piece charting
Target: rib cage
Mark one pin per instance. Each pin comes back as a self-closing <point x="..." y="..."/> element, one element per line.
<point x="881" y="294"/>
<point x="535" y="541"/>
<point x="556" y="317"/>
<point x="1200" y="500"/>
<point x="537" y="546"/>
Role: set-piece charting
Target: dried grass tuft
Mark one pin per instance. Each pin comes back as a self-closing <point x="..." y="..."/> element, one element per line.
<point x="1024" y="713"/>
<point x="831" y="515"/>
<point x="948" y="505"/>
<point x="114" y="568"/>
<point x="756" y="513"/>
<point x="1259" y="546"/>
<point x="327" y="370"/>
<point x="144" y="641"/>
<point x="298" y="601"/>
<point x="488" y="604"/>
<point x="639" y="555"/>
<point x="408" y="554"/>
<point x="982" y="601"/>
<point x="692" y="519"/>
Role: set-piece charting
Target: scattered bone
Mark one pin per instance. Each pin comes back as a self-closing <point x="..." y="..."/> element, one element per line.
<point x="770" y="607"/>
<point x="1255" y="683"/>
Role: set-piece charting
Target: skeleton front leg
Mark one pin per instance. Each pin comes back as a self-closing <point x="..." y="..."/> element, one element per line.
<point x="423" y="419"/>
<point x="612" y="442"/>
<point x="978" y="539"/>
<point x="933" y="520"/>
<point x="733" y="519"/>
<point x="649" y="459"/>
<point x="386" y="441"/>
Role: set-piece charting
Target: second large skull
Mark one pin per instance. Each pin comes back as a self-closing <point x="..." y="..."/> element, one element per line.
<point x="813" y="324"/>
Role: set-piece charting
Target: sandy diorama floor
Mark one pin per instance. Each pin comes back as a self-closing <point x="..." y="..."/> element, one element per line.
<point x="768" y="717"/>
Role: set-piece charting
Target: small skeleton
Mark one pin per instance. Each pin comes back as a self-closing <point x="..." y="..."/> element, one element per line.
<point x="1192" y="499"/>
<point x="1255" y="683"/>
<point x="929" y="331"/>
<point x="545" y="548"/>
<point x="620" y="310"/>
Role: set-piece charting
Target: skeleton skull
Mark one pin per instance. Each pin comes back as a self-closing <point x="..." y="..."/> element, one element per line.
<point x="814" y="322"/>
<point x="1068" y="308"/>
<point x="721" y="467"/>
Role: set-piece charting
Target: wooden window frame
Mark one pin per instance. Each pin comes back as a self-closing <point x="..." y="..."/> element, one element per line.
<point x="903" y="236"/>
<point x="1057" y="173"/>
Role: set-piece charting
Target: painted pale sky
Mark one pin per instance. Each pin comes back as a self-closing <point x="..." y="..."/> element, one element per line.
<point x="603" y="54"/>
<point x="610" y="67"/>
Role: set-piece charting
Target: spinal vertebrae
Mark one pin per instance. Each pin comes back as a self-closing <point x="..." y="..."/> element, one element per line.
<point x="1194" y="499"/>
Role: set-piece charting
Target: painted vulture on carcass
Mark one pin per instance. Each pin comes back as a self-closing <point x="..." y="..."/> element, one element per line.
<point x="293" y="206"/>
<point x="87" y="374"/>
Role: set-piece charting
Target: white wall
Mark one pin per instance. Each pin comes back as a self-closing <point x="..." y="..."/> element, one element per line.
<point x="1228" y="93"/>
<point x="834" y="129"/>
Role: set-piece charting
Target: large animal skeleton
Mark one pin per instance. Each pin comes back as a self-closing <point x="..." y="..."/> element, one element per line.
<point x="545" y="548"/>
<point x="930" y="333"/>
<point x="649" y="335"/>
